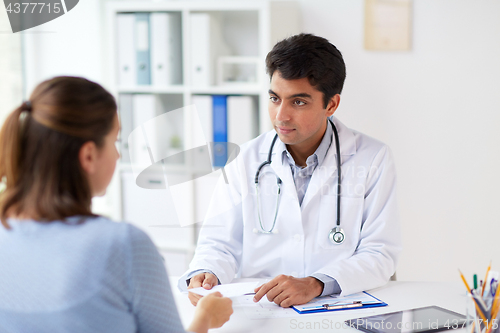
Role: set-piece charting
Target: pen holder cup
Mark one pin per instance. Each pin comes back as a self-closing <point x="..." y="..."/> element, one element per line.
<point x="482" y="313"/>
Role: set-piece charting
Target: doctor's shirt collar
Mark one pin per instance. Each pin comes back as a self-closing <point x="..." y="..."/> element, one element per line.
<point x="317" y="157"/>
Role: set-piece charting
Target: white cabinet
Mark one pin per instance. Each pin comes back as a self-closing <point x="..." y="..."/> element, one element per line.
<point x="163" y="57"/>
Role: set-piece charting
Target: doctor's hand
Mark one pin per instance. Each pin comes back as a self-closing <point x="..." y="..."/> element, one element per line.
<point x="205" y="280"/>
<point x="287" y="290"/>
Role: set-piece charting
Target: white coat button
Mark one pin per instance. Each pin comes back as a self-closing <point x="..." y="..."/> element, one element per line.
<point x="297" y="238"/>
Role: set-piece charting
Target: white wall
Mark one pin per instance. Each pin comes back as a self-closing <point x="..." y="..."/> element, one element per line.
<point x="68" y="45"/>
<point x="10" y="68"/>
<point x="437" y="106"/>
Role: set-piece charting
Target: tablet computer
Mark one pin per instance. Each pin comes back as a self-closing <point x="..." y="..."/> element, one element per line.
<point x="421" y="320"/>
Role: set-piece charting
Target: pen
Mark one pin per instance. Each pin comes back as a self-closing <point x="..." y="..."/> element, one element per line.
<point x="355" y="304"/>
<point x="475" y="281"/>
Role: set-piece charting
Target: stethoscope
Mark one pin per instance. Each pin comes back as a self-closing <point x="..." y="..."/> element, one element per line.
<point x="336" y="234"/>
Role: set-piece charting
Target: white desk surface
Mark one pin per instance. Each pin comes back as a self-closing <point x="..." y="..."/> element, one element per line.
<point x="399" y="295"/>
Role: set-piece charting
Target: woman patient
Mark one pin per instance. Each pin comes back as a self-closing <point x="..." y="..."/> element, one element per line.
<point x="62" y="268"/>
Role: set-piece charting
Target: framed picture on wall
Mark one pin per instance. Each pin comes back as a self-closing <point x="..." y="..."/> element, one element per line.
<point x="388" y="25"/>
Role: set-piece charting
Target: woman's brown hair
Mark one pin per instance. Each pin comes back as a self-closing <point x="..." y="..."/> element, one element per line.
<point x="39" y="149"/>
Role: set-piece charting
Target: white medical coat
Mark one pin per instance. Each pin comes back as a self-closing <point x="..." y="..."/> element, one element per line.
<point x="230" y="247"/>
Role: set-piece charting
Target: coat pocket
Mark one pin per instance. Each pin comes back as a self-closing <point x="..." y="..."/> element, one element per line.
<point x="351" y="215"/>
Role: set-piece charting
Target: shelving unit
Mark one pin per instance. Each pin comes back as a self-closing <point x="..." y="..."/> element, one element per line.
<point x="244" y="33"/>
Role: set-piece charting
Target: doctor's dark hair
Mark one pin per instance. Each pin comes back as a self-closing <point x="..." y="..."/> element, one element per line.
<point x="40" y="143"/>
<point x="312" y="57"/>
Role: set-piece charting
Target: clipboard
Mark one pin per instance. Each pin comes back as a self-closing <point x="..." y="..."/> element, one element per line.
<point x="361" y="300"/>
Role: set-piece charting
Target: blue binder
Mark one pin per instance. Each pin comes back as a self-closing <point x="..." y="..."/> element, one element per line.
<point x="219" y="112"/>
<point x="142" y="44"/>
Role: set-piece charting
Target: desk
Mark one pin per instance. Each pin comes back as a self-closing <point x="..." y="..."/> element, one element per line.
<point x="399" y="296"/>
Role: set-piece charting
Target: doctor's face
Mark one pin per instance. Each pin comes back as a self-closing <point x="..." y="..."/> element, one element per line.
<point x="297" y="112"/>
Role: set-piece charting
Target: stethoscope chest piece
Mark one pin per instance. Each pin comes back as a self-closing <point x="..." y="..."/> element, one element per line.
<point x="337" y="235"/>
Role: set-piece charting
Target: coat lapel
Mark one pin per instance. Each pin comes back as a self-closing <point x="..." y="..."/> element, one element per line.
<point x="283" y="171"/>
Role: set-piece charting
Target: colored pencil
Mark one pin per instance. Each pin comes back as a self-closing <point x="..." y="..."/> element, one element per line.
<point x="486" y="278"/>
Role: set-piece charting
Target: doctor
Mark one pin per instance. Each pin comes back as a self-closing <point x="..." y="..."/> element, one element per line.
<point x="288" y="228"/>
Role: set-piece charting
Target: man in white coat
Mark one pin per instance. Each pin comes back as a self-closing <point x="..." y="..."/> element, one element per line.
<point x="252" y="233"/>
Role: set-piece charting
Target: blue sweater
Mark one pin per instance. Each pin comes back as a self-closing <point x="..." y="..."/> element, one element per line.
<point x="96" y="276"/>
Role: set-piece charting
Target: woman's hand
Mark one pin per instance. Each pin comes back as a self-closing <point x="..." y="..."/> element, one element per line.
<point x="212" y="311"/>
